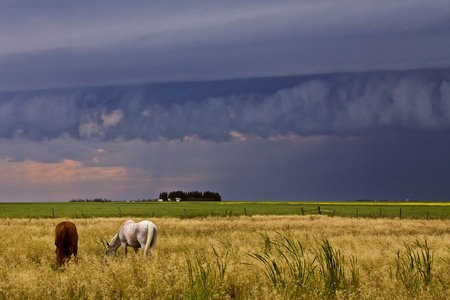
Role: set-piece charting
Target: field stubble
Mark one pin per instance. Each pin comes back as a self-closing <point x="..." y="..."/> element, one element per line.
<point x="194" y="255"/>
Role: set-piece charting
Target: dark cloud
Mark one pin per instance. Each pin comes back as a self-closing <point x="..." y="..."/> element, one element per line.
<point x="54" y="45"/>
<point x="332" y="105"/>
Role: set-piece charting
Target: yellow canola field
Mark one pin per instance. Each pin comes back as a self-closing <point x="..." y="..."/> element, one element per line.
<point x="347" y="203"/>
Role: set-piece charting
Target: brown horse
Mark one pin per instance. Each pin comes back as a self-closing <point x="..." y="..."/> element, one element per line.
<point x="66" y="241"/>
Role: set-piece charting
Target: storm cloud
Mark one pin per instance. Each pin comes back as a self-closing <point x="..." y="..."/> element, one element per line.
<point x="54" y="45"/>
<point x="333" y="105"/>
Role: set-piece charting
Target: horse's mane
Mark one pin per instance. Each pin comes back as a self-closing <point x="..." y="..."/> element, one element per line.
<point x="114" y="239"/>
<point x="117" y="234"/>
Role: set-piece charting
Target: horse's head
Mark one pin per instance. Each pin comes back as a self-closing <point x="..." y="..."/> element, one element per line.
<point x="109" y="251"/>
<point x="107" y="248"/>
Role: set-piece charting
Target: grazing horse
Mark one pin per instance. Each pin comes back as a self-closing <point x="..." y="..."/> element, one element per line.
<point x="66" y="241"/>
<point x="137" y="235"/>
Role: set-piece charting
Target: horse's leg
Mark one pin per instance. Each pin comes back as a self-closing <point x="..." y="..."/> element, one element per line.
<point x="124" y="246"/>
<point x="136" y="250"/>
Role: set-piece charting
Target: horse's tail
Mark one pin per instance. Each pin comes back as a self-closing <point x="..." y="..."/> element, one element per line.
<point x="62" y="243"/>
<point x="65" y="239"/>
<point x="151" y="237"/>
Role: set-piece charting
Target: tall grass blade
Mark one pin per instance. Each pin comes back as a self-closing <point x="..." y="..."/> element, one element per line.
<point x="284" y="263"/>
<point x="447" y="261"/>
<point x="331" y="267"/>
<point x="415" y="265"/>
<point x="206" y="278"/>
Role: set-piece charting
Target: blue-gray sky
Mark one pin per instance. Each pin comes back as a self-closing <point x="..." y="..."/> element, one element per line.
<point x="257" y="100"/>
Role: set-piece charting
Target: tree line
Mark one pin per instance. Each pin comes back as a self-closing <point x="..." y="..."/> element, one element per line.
<point x="108" y="200"/>
<point x="190" y="196"/>
<point x="90" y="200"/>
<point x="165" y="196"/>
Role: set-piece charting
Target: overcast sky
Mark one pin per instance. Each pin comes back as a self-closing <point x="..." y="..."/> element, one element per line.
<point x="256" y="100"/>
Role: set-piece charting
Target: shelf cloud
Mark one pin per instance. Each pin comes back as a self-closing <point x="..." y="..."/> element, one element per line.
<point x="333" y="105"/>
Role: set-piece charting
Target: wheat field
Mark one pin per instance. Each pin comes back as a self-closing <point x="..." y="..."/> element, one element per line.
<point x="233" y="258"/>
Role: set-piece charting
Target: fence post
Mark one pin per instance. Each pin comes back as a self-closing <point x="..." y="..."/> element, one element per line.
<point x="303" y="213"/>
<point x="427" y="214"/>
<point x="153" y="214"/>
<point x="333" y="212"/>
<point x="53" y="212"/>
<point x="120" y="212"/>
<point x="380" y="212"/>
<point x="318" y="208"/>
<point x="357" y="213"/>
<point x="185" y="216"/>
<point x="245" y="212"/>
<point x="400" y="213"/>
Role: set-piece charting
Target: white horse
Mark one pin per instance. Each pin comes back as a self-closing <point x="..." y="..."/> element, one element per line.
<point x="136" y="235"/>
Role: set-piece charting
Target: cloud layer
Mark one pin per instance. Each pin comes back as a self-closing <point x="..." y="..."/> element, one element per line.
<point x="53" y="45"/>
<point x="333" y="105"/>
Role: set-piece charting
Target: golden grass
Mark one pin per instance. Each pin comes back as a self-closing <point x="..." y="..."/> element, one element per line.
<point x="28" y="268"/>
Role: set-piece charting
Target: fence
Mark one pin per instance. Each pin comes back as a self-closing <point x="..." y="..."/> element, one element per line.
<point x="230" y="213"/>
<point x="319" y="210"/>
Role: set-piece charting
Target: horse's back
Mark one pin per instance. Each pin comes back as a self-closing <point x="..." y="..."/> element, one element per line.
<point x="138" y="231"/>
<point x="67" y="230"/>
<point x="137" y="228"/>
<point x="67" y="224"/>
<point x="145" y="224"/>
<point x="142" y="228"/>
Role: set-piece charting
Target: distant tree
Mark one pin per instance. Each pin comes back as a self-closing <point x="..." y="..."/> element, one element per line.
<point x="211" y="196"/>
<point x="164" y="196"/>
<point x="177" y="194"/>
<point x="190" y="196"/>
